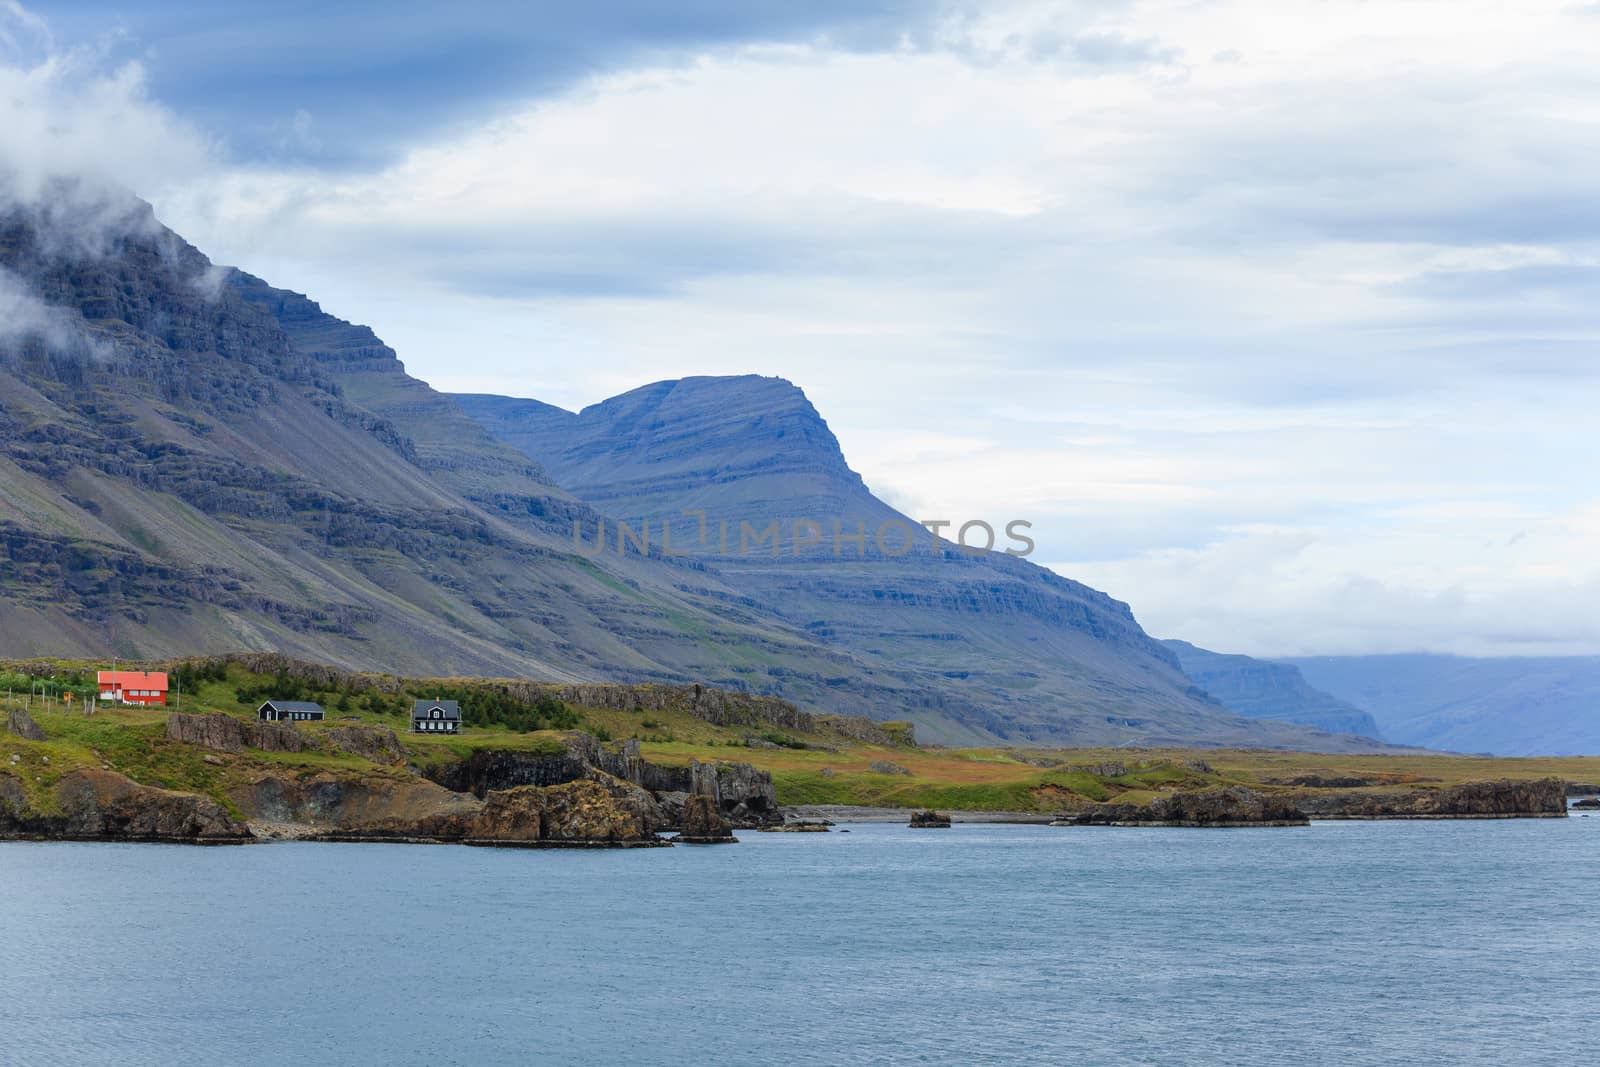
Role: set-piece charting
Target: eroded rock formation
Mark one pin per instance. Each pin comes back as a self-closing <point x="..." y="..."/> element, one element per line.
<point x="702" y="825"/>
<point x="99" y="805"/>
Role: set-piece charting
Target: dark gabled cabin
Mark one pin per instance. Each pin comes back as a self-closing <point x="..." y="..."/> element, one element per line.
<point x="290" y="711"/>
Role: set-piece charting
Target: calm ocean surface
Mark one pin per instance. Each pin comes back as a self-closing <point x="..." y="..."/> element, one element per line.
<point x="1387" y="942"/>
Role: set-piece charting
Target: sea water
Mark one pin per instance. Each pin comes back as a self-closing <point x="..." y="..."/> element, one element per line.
<point x="1466" y="942"/>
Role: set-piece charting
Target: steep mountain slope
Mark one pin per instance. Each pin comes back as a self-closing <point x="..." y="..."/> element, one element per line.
<point x="1265" y="690"/>
<point x="179" y="473"/>
<point x="1508" y="706"/>
<point x="989" y="640"/>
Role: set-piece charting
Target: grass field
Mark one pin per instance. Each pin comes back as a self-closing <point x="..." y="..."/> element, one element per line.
<point x="817" y="768"/>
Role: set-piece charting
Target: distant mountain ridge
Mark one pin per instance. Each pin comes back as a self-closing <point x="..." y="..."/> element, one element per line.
<point x="1506" y="706"/>
<point x="1263" y="689"/>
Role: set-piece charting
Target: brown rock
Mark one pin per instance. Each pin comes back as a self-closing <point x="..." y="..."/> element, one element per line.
<point x="510" y="816"/>
<point x="599" y="810"/>
<point x="930" y="820"/>
<point x="104" y="805"/>
<point x="702" y="825"/>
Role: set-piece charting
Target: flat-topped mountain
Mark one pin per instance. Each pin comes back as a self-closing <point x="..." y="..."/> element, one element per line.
<point x="992" y="640"/>
<point x="748" y="447"/>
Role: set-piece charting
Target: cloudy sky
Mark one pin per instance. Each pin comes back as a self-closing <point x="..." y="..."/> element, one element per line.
<point x="1277" y="319"/>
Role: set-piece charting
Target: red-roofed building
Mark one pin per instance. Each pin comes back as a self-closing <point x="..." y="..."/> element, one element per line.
<point x="134" y="687"/>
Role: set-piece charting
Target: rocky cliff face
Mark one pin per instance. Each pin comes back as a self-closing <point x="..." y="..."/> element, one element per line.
<point x="590" y="811"/>
<point x="192" y="461"/>
<point x="95" y="805"/>
<point x="702" y="824"/>
<point x="1261" y="689"/>
<point x="224" y="733"/>
<point x="738" y="791"/>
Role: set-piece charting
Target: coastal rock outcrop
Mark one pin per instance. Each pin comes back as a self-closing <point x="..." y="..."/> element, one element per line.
<point x="600" y="810"/>
<point x="339" y="804"/>
<point x="745" y="796"/>
<point x="98" y="805"/>
<point x="1498" y="799"/>
<point x="597" y="810"/>
<point x="1233" y="806"/>
<point x="511" y="816"/>
<point x="20" y="724"/>
<point x="702" y="825"/>
<point x="930" y="820"/>
<point x="487" y="770"/>
<point x="742" y="795"/>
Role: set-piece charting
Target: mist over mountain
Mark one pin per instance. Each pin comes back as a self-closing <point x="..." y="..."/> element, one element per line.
<point x="1507" y="706"/>
<point x="194" y="461"/>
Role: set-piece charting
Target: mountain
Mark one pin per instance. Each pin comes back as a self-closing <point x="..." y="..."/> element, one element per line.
<point x="1507" y="706"/>
<point x="991" y="639"/>
<point x="1262" y="689"/>
<point x="194" y="461"/>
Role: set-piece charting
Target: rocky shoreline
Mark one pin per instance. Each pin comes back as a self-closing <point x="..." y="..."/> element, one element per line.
<point x="576" y="792"/>
<point x="1543" y="798"/>
<point x="583" y="796"/>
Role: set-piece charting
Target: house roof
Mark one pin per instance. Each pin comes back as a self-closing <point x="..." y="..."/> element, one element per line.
<point x="134" y="679"/>
<point x="423" y="709"/>
<point x="292" y="705"/>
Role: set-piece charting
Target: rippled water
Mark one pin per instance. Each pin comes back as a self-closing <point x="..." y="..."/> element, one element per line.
<point x="1444" y="942"/>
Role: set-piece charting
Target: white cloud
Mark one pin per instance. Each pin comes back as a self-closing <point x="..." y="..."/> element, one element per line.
<point x="64" y="117"/>
<point x="1244" y="304"/>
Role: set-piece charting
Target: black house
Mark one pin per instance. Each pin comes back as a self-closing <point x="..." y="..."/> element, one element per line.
<point x="436" y="717"/>
<point x="289" y="711"/>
